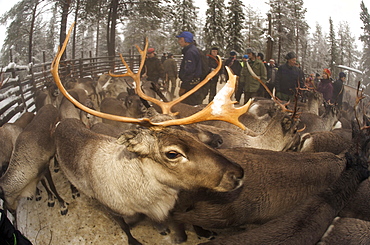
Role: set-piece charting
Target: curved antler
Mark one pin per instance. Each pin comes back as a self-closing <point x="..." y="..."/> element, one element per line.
<point x="165" y="106"/>
<point x="221" y="108"/>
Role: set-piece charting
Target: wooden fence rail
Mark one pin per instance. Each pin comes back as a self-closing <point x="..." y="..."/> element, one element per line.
<point x="19" y="84"/>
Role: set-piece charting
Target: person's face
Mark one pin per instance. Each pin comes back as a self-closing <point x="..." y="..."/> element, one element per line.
<point x="325" y="76"/>
<point x="181" y="41"/>
<point x="151" y="55"/>
<point x="272" y="63"/>
<point x="214" y="52"/>
<point x="292" y="62"/>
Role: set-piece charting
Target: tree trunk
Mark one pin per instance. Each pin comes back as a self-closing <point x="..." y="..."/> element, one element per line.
<point x="63" y="25"/>
<point x="75" y="30"/>
<point x="112" y="30"/>
<point x="30" y="40"/>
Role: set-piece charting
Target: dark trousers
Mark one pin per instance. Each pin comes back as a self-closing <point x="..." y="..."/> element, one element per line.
<point x="212" y="88"/>
<point x="239" y="91"/>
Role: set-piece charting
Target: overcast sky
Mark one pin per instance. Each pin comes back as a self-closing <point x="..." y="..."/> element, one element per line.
<point x="318" y="11"/>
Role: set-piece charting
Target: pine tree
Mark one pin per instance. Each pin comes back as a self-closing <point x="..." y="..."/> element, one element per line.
<point x="186" y="15"/>
<point x="279" y="10"/>
<point x="214" y="29"/>
<point x="253" y="32"/>
<point x="365" y="38"/>
<point x="25" y="23"/>
<point x="347" y="50"/>
<point x="319" y="54"/>
<point x="234" y="26"/>
<point x="333" y="50"/>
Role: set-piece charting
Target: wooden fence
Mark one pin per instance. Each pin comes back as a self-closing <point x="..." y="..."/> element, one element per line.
<point x="18" y="84"/>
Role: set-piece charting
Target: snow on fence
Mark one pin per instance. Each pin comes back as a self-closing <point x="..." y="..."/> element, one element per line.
<point x="18" y="84"/>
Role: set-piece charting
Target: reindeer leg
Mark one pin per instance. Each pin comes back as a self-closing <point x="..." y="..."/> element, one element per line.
<point x="62" y="203"/>
<point x="51" y="201"/>
<point x="75" y="192"/>
<point x="204" y="233"/>
<point x="180" y="235"/>
<point x="126" y="228"/>
<point x="56" y="165"/>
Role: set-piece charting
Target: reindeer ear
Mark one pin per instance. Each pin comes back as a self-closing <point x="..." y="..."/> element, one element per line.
<point x="139" y="141"/>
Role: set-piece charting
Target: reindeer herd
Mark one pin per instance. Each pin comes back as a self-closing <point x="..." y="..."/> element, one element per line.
<point x="295" y="174"/>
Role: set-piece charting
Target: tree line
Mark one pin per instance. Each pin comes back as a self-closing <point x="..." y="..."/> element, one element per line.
<point x="106" y="27"/>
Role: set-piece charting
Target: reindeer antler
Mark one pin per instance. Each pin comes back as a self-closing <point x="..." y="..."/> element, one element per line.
<point x="165" y="106"/>
<point x="277" y="100"/>
<point x="221" y="108"/>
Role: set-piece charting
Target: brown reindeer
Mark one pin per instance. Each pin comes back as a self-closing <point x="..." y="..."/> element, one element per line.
<point x="143" y="170"/>
<point x="8" y="135"/>
<point x="29" y="163"/>
<point x="307" y="223"/>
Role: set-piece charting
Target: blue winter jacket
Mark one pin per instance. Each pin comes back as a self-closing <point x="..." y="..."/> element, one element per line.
<point x="191" y="65"/>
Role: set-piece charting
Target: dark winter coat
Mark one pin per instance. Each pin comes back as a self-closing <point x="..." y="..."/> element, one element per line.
<point x="170" y="67"/>
<point x="338" y="90"/>
<point x="153" y="69"/>
<point x="325" y="86"/>
<point x="191" y="66"/>
<point x="234" y="64"/>
<point x="287" y="79"/>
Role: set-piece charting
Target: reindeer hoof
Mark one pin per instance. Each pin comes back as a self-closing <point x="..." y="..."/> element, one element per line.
<point x="56" y="170"/>
<point x="165" y="232"/>
<point x="51" y="204"/>
<point x="38" y="198"/>
<point x="64" y="211"/>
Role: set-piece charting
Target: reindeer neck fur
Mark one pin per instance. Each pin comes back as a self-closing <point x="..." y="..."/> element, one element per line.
<point x="275" y="137"/>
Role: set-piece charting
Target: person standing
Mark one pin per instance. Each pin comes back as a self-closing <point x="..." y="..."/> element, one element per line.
<point x="243" y="73"/>
<point x="212" y="63"/>
<point x="271" y="74"/>
<point x="288" y="78"/>
<point x="163" y="58"/>
<point x="190" y="68"/>
<point x="152" y="72"/>
<point x="252" y="86"/>
<point x="233" y="64"/>
<point x="153" y="69"/>
<point x="170" y="69"/>
<point x="338" y="90"/>
<point x="325" y="85"/>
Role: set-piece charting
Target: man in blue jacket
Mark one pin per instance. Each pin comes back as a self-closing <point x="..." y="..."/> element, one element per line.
<point x="190" y="68"/>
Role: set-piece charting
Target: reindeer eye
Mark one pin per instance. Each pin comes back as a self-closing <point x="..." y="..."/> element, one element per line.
<point x="173" y="154"/>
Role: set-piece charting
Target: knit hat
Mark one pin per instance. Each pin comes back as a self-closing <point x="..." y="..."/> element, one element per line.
<point x="188" y="36"/>
<point x="214" y="48"/>
<point x="245" y="56"/>
<point x="342" y="74"/>
<point x="290" y="55"/>
<point x="327" y="71"/>
<point x="232" y="53"/>
<point x="150" y="50"/>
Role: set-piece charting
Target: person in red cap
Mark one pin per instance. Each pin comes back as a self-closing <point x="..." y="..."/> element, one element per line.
<point x="325" y="86"/>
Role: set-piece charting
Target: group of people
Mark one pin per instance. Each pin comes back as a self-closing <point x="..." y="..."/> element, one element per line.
<point x="251" y="71"/>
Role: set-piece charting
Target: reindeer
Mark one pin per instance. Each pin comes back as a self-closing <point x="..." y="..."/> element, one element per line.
<point x="307" y="223"/>
<point x="29" y="163"/>
<point x="274" y="184"/>
<point x="8" y="135"/>
<point x="143" y="170"/>
<point x="336" y="141"/>
<point x="344" y="231"/>
<point x="127" y="106"/>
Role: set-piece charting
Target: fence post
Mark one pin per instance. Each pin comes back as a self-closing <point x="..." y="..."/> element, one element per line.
<point x="81" y="65"/>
